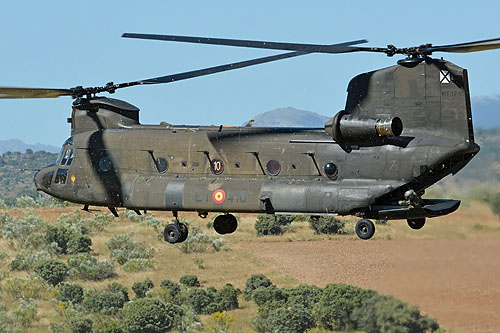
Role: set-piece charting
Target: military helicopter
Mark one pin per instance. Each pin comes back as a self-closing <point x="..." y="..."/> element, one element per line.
<point x="403" y="129"/>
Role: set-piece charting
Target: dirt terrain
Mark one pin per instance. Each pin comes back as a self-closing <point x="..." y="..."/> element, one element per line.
<point x="455" y="281"/>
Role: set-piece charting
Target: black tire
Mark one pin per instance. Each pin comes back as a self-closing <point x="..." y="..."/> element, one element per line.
<point x="171" y="233"/>
<point x="231" y="224"/>
<point x="365" y="229"/>
<point x="184" y="233"/>
<point x="219" y="224"/>
<point x="416" y="224"/>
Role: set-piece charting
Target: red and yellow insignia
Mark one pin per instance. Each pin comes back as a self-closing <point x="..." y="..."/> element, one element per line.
<point x="219" y="196"/>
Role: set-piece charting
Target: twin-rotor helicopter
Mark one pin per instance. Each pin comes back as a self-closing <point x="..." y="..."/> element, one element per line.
<point x="403" y="129"/>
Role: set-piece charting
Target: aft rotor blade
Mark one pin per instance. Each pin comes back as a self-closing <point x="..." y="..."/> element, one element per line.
<point x="482" y="45"/>
<point x="11" y="92"/>
<point x="310" y="48"/>
<point x="211" y="70"/>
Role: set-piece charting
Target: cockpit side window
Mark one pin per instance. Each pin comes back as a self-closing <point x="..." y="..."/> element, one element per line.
<point x="68" y="154"/>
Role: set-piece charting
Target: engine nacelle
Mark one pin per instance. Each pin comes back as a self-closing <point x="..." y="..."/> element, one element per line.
<point x="346" y="128"/>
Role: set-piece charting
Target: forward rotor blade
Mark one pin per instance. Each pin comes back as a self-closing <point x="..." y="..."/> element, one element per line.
<point x="476" y="46"/>
<point x="10" y="92"/>
<point x="310" y="48"/>
<point x="211" y="70"/>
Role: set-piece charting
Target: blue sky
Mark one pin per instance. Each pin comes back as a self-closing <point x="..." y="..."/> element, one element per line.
<point x="61" y="44"/>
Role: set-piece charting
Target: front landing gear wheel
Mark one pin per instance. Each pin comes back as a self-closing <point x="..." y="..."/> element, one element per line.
<point x="184" y="233"/>
<point x="172" y="233"/>
<point x="365" y="229"/>
<point x="416" y="224"/>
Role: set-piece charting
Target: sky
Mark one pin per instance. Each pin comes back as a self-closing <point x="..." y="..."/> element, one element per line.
<point x="62" y="44"/>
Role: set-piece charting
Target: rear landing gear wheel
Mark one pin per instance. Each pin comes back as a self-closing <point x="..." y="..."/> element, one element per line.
<point x="416" y="224"/>
<point x="172" y="233"/>
<point x="365" y="229"/>
<point x="184" y="233"/>
<point x="225" y="224"/>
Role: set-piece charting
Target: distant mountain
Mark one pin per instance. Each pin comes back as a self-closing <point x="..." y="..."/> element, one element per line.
<point x="289" y="117"/>
<point x="13" y="145"/>
<point x="486" y="111"/>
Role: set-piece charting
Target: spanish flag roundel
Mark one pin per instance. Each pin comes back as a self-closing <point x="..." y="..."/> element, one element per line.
<point x="219" y="196"/>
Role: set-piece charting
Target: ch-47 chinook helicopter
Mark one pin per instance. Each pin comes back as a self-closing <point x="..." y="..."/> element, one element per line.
<point x="403" y="129"/>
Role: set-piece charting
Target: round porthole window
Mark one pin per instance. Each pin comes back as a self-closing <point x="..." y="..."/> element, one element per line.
<point x="273" y="167"/>
<point x="331" y="170"/>
<point x="217" y="167"/>
<point x="105" y="164"/>
<point x="161" y="164"/>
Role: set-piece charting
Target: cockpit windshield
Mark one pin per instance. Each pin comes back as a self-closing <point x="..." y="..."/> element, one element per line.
<point x="68" y="156"/>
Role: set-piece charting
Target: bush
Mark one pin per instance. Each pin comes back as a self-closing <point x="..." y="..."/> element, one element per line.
<point x="80" y="325"/>
<point x="59" y="235"/>
<point x="105" y="301"/>
<point x="199" y="300"/>
<point x="70" y="292"/>
<point x="254" y="282"/>
<point x="79" y="243"/>
<point x="272" y="224"/>
<point x="494" y="201"/>
<point x="304" y="295"/>
<point x="122" y="249"/>
<point x="337" y="303"/>
<point x="190" y="280"/>
<point x="138" y="265"/>
<point x="263" y="295"/>
<point x="326" y="225"/>
<point x="26" y="313"/>
<point x="118" y="288"/>
<point x="84" y="266"/>
<point x="386" y="314"/>
<point x="31" y="287"/>
<point x="25" y="261"/>
<point x="169" y="291"/>
<point x="292" y="319"/>
<point x="199" y="242"/>
<point x="19" y="230"/>
<point x="141" y="288"/>
<point x="52" y="271"/>
<point x="227" y="298"/>
<point x="149" y="315"/>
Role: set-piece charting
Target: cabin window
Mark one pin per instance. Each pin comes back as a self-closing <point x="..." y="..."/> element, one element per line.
<point x="105" y="164"/>
<point x="331" y="170"/>
<point x="61" y="176"/>
<point x="273" y="167"/>
<point x="217" y="166"/>
<point x="161" y="165"/>
<point x="68" y="142"/>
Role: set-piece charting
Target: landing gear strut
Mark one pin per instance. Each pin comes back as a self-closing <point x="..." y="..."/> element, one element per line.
<point x="225" y="224"/>
<point x="176" y="232"/>
<point x="365" y="229"/>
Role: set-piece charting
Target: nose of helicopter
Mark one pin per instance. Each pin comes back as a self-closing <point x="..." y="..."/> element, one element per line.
<point x="43" y="179"/>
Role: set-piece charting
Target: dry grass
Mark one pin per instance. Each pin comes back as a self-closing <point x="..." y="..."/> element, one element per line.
<point x="236" y="264"/>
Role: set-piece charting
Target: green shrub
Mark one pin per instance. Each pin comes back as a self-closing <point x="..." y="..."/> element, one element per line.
<point x="31" y="287"/>
<point x="25" y="261"/>
<point x="79" y="243"/>
<point x="190" y="280"/>
<point x="52" y="271"/>
<point x="118" y="288"/>
<point x="103" y="301"/>
<point x="70" y="292"/>
<point x="386" y="314"/>
<point x="122" y="249"/>
<point x="138" y="265"/>
<point x="199" y="242"/>
<point x="254" y="282"/>
<point x="26" y="313"/>
<point x="59" y="235"/>
<point x="304" y="295"/>
<point x="272" y="224"/>
<point x="169" y="291"/>
<point x="80" y="325"/>
<point x="199" y="300"/>
<point x="263" y="295"/>
<point x="227" y="298"/>
<point x="149" y="315"/>
<point x="294" y="319"/>
<point x="337" y="303"/>
<point x="494" y="201"/>
<point x="141" y="288"/>
<point x="84" y="266"/>
<point x="113" y="327"/>
<point x="326" y="225"/>
<point x="19" y="230"/>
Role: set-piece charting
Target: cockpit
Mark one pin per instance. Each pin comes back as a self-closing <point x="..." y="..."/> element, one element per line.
<point x="45" y="177"/>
